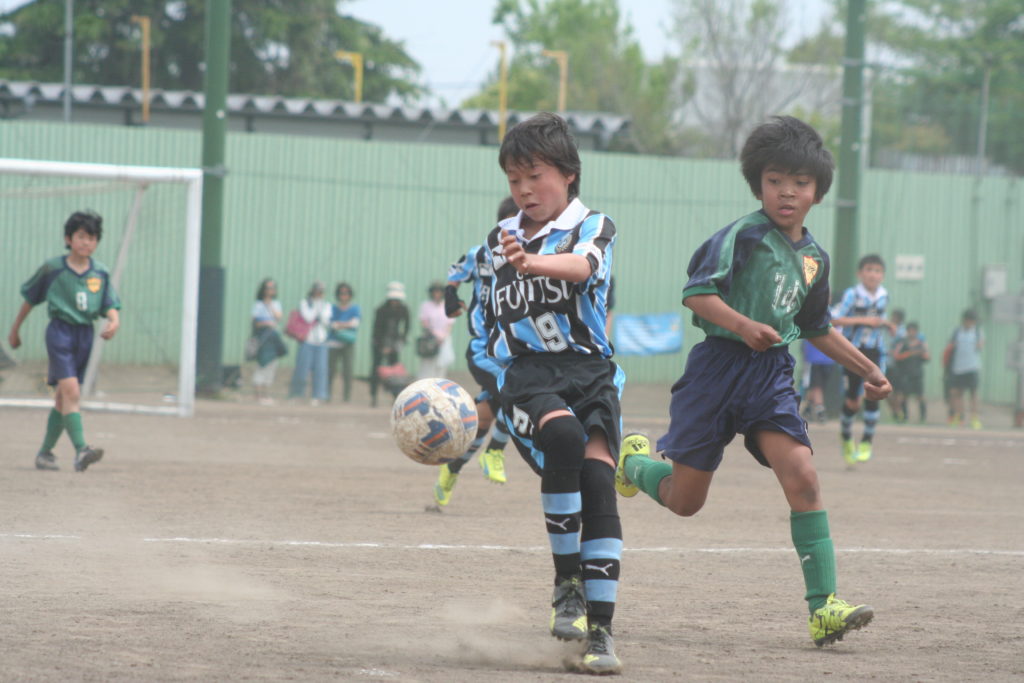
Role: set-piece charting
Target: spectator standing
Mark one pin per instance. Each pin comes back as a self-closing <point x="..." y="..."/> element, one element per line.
<point x="909" y="354"/>
<point x="964" y="367"/>
<point x="311" y="360"/>
<point x="342" y="339"/>
<point x="266" y="317"/>
<point x="390" y="332"/>
<point x="436" y="322"/>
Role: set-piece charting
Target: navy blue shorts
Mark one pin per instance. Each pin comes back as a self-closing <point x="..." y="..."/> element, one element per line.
<point x="68" y="347"/>
<point x="729" y="389"/>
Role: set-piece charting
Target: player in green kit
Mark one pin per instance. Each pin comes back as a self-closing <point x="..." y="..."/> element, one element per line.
<point x="754" y="287"/>
<point x="77" y="290"/>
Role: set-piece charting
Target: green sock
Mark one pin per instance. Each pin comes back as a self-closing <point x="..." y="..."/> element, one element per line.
<point x="54" y="428"/>
<point x="73" y="423"/>
<point x="817" y="555"/>
<point x="647" y="473"/>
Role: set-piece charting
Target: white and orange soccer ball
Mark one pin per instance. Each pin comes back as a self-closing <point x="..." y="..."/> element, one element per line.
<point x="433" y="421"/>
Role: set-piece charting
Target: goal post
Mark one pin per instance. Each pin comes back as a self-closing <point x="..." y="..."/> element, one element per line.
<point x="138" y="179"/>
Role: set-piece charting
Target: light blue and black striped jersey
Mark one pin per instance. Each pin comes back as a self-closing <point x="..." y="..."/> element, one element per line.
<point x="858" y="302"/>
<point x="536" y="314"/>
<point x="76" y="298"/>
<point x="761" y="274"/>
<point x="475" y="268"/>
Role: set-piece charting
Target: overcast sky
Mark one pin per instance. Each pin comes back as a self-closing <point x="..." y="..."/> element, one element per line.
<point x="451" y="39"/>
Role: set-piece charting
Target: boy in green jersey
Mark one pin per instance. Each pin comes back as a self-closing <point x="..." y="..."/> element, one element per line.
<point x="754" y="287"/>
<point x="77" y="290"/>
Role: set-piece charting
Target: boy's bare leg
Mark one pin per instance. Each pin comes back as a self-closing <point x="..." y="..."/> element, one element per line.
<point x="794" y="468"/>
<point x="685" y="490"/>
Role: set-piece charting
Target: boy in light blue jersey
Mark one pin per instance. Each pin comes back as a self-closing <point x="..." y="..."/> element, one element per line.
<point x="861" y="314"/>
<point x="77" y="290"/>
<point x="560" y="390"/>
<point x="473" y="267"/>
<point x="754" y="287"/>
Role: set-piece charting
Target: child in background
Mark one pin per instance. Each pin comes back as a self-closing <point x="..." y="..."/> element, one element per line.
<point x="911" y="353"/>
<point x="965" y="367"/>
<point x="818" y="369"/>
<point x="77" y="290"/>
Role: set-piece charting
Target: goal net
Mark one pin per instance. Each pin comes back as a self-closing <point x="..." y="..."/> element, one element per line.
<point x="150" y="245"/>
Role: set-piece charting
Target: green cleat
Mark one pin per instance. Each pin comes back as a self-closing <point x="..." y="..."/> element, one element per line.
<point x="569" y="610"/>
<point x="831" y="622"/>
<point x="633" y="444"/>
<point x="492" y="462"/>
<point x="445" y="483"/>
<point x="599" y="659"/>
<point x="849" y="452"/>
<point x="864" y="451"/>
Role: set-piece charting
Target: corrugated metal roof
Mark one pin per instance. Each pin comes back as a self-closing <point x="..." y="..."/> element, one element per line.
<point x="29" y="93"/>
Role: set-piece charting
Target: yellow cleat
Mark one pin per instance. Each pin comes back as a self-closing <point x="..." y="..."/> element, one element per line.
<point x="850" y="452"/>
<point x="445" y="483"/>
<point x="975" y="423"/>
<point x="599" y="658"/>
<point x="864" y="451"/>
<point x="632" y="444"/>
<point x="831" y="622"/>
<point x="569" y="610"/>
<point x="492" y="462"/>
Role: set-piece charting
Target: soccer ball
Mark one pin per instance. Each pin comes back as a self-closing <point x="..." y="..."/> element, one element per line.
<point x="433" y="421"/>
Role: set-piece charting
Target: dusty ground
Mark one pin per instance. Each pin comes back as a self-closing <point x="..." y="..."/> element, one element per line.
<point x="291" y="543"/>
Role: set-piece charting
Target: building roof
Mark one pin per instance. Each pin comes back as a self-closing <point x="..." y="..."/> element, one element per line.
<point x="22" y="99"/>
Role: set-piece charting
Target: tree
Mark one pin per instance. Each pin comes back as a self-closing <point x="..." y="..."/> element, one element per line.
<point x="607" y="71"/>
<point x="735" y="71"/>
<point x="283" y="47"/>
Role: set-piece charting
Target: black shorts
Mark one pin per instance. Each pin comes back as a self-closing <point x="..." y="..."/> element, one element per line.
<point x="820" y="375"/>
<point x="488" y="383"/>
<point x="963" y="380"/>
<point x="854" y="383"/>
<point x="588" y="386"/>
<point x="911" y="385"/>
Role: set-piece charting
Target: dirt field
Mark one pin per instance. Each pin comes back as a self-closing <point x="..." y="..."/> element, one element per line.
<point x="292" y="543"/>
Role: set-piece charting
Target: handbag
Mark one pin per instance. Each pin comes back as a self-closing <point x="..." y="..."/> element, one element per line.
<point x="427" y="345"/>
<point x="391" y="371"/>
<point x="297" y="327"/>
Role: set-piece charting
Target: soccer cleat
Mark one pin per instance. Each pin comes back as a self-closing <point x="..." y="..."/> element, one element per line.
<point x="46" y="460"/>
<point x="849" y="452"/>
<point x="569" y="610"/>
<point x="633" y="444"/>
<point x="831" y="622"/>
<point x="86" y="456"/>
<point x="954" y="420"/>
<point x="864" y="451"/>
<point x="975" y="423"/>
<point x="600" y="656"/>
<point x="492" y="462"/>
<point x="445" y="483"/>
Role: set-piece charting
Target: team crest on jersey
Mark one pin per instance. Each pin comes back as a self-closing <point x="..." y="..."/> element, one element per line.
<point x="93" y="283"/>
<point x="565" y="245"/>
<point x="810" y="269"/>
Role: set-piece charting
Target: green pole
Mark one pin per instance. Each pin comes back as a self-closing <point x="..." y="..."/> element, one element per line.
<point x="846" y="250"/>
<point x="210" y="337"/>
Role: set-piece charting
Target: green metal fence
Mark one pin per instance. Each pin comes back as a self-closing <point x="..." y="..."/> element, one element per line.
<point x="300" y="209"/>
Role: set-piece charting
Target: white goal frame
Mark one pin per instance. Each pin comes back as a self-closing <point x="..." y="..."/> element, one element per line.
<point x="192" y="178"/>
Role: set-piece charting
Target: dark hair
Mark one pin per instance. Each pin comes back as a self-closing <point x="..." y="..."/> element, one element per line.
<point x="261" y="291"/>
<point x="899" y="314"/>
<point x="316" y="288"/>
<point x="341" y="286"/>
<point x="542" y="137"/>
<point x="790" y="145"/>
<point x="912" y="325"/>
<point x="970" y="314"/>
<point x="870" y="260"/>
<point x="89" y="221"/>
<point x="435" y="287"/>
<point x="507" y="208"/>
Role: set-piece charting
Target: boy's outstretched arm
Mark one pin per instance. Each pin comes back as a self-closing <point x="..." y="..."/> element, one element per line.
<point x="712" y="308"/>
<point x="568" y="267"/>
<point x="14" y="339"/>
<point x="838" y="348"/>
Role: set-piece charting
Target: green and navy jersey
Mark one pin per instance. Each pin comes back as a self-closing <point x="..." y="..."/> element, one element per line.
<point x="529" y="314"/>
<point x="474" y="267"/>
<point x="761" y="274"/>
<point x="74" y="298"/>
<point x="858" y="302"/>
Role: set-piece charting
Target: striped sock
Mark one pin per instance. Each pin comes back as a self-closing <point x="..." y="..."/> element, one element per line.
<point x="601" y="547"/>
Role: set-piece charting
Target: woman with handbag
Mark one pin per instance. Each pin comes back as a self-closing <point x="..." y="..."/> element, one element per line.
<point x="434" y="346"/>
<point x="311" y="361"/>
<point x="390" y="331"/>
<point x="265" y="345"/>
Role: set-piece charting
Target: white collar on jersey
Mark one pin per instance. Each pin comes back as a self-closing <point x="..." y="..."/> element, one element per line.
<point x="873" y="297"/>
<point x="567" y="220"/>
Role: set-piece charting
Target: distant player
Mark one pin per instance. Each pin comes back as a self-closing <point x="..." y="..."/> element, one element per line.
<point x="861" y="315"/>
<point x="77" y="290"/>
<point x="754" y="287"/>
<point x="473" y="267"/>
<point x="560" y="390"/>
